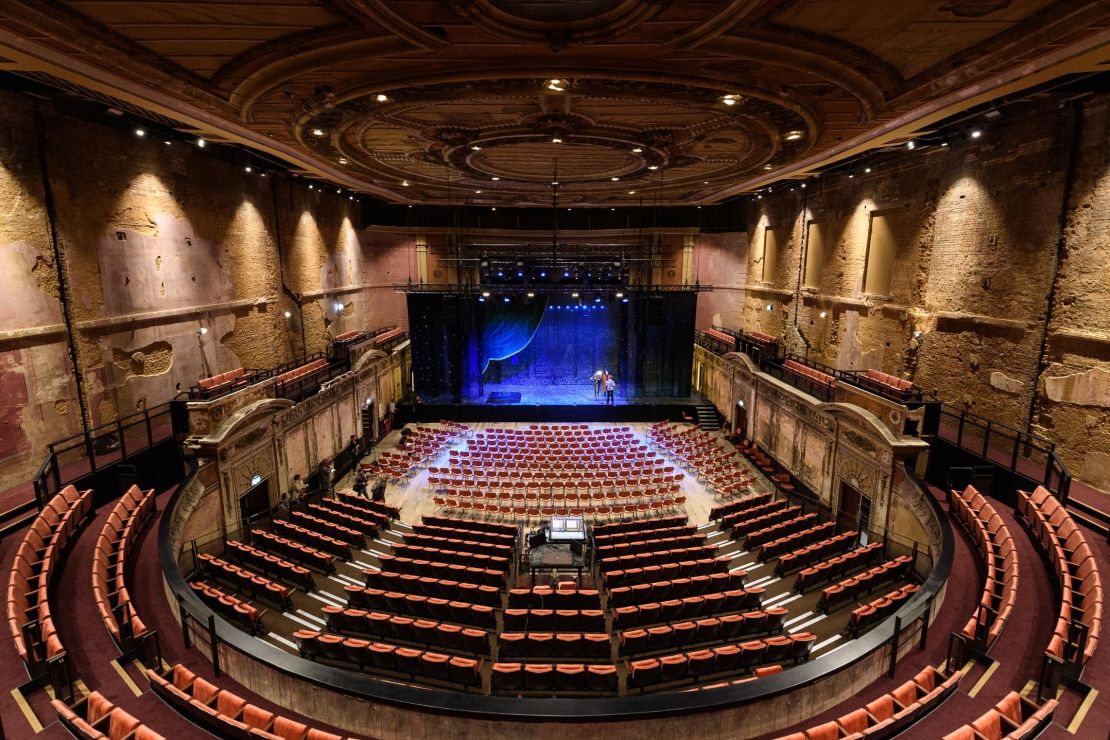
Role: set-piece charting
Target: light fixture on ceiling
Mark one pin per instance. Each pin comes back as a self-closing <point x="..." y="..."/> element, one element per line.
<point x="556" y="85"/>
<point x="342" y="160"/>
<point x="631" y="192"/>
<point x="167" y="142"/>
<point x="479" y="192"/>
<point x="976" y="134"/>
<point x="475" y="147"/>
<point x="823" y="314"/>
<point x="867" y="170"/>
<point x="338" y="191"/>
<point x="404" y="183"/>
<point x="911" y="144"/>
<point x="573" y="295"/>
<point x="381" y="97"/>
<point x="556" y="140"/>
<point x="339" y="306"/>
<point x="247" y="168"/>
<point x="943" y="144"/>
<point x="201" y="142"/>
<point x="485" y="294"/>
<point x="495" y="179"/>
<point x="768" y="166"/>
<point x="614" y="179"/>
<point x="731" y="99"/>
<point x="261" y="174"/>
<point x="531" y="294"/>
<point x="851" y="175"/>
<point x="794" y="135"/>
<point x="288" y="314"/>
<point x="554" y="183"/>
<point x="803" y="186"/>
<point x="653" y="167"/>
<point x="140" y="132"/>
<point x="494" y="208"/>
<point x="637" y="150"/>
<point x="317" y="132"/>
<point x="311" y="186"/>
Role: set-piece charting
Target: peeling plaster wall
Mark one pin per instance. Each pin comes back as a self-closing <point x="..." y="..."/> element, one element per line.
<point x="975" y="227"/>
<point x="157" y="242"/>
<point x="721" y="260"/>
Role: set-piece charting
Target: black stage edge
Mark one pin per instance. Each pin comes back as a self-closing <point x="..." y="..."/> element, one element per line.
<point x="408" y="413"/>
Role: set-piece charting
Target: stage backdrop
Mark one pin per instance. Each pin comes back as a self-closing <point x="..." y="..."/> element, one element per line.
<point x="462" y="348"/>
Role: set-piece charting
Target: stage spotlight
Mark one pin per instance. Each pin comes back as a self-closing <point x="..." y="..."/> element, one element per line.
<point x="597" y="300"/>
<point x="485" y="294"/>
<point x="140" y="132"/>
<point x="338" y="306"/>
<point x="288" y="314"/>
<point x="573" y="295"/>
<point x="543" y="274"/>
<point x="566" y="273"/>
<point x="500" y="273"/>
<point x="202" y="330"/>
<point x="624" y="300"/>
<point x="506" y="299"/>
<point x="531" y="295"/>
<point x="519" y="273"/>
<point x="481" y="299"/>
<point x="823" y="314"/>
<point x="976" y="134"/>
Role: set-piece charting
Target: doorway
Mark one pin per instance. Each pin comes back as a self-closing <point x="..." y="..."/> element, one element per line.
<point x="254" y="502"/>
<point x="855" y="511"/>
<point x="741" y="420"/>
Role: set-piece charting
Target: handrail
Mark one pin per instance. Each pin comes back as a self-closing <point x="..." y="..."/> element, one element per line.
<point x="563" y="709"/>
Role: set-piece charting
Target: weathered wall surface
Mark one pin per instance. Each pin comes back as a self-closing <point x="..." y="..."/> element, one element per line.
<point x="158" y="240"/>
<point x="975" y="227"/>
<point x="721" y="260"/>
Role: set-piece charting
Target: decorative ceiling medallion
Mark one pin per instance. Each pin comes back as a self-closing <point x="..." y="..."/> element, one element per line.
<point x="559" y="23"/>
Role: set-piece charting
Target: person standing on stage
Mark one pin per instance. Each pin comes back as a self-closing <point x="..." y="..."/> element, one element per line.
<point x="597" y="383"/>
<point x="610" y="386"/>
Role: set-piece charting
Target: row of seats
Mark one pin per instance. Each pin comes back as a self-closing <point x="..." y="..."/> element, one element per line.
<point x="223" y="712"/>
<point x="563" y="597"/>
<point x="546" y="677"/>
<point x="761" y="338"/>
<point x="726" y="339"/>
<point x="95" y="717"/>
<point x="230" y="606"/>
<point x="1079" y="623"/>
<point x="853" y="587"/>
<point x="658" y="557"/>
<point x="822" y="379"/>
<point x="780" y="546"/>
<point x="380" y="510"/>
<point x="407" y="629"/>
<point x="891" y="713"/>
<point x="718" y="513"/>
<point x="494" y="538"/>
<point x="671" y="610"/>
<point x="777" y="531"/>
<point x="436" y="569"/>
<point x="1000" y="558"/>
<point x="385" y="657"/>
<point x="109" y="583"/>
<point x="710" y="629"/>
<point x="29" y="620"/>
<point x="469" y="558"/>
<point x="638" y="525"/>
<point x="653" y="545"/>
<point x="290" y="377"/>
<point x="617" y="538"/>
<point x="312" y="538"/>
<point x="246" y="580"/>
<point x="388" y="336"/>
<point x="761" y="672"/>
<point x="821" y="551"/>
<point x="409" y="583"/>
<point x="1014" y="718"/>
<point x="418" y="605"/>
<point x="759" y="517"/>
<point x="571" y="645"/>
<point x="342" y="513"/>
<point x="554" y="620"/>
<point x="271" y="565"/>
<point x="885" y="383"/>
<point x="505" y="509"/>
<point x="328" y="526"/>
<point x="223" y="383"/>
<point x="347" y="336"/>
<point x="836" y="567"/>
<point x="678" y="588"/>
<point x="457" y="544"/>
<point x="723" y="659"/>
<point x="868" y="614"/>
<point x="295" y="551"/>
<point x="666" y="571"/>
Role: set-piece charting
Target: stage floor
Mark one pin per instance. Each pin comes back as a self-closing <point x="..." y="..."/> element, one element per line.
<point x="567" y="395"/>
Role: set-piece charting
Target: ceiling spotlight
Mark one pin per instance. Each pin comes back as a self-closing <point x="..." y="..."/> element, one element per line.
<point x="557" y="85"/>
<point x="338" y="306"/>
<point x="311" y="186"/>
<point x="637" y="150"/>
<point x="338" y="190"/>
<point x="317" y="132"/>
<point x="494" y="208"/>
<point x="247" y="168"/>
<point x="485" y="294"/>
<point x="653" y="166"/>
<point x="404" y="183"/>
<point x="342" y="160"/>
<point x="803" y="186"/>
<point x="140" y="132"/>
<point x="910" y="144"/>
<point x="976" y="134"/>
<point x="768" y="166"/>
<point x="597" y="300"/>
<point x="573" y="295"/>
<point x="479" y="192"/>
<point x="867" y="170"/>
<point x="612" y="209"/>
<point x="556" y="140"/>
<point x="202" y="330"/>
<point x="614" y="179"/>
<point x="481" y="299"/>
<point x="506" y="299"/>
<point x="823" y="314"/>
<point x="531" y="294"/>
<point x="943" y="144"/>
<point x="631" y="192"/>
<point x="554" y="182"/>
<point x="201" y="142"/>
<point x="624" y="300"/>
<point x="851" y="175"/>
<point x="620" y="295"/>
<point x="759" y="196"/>
<point x="261" y="174"/>
<point x="166" y="142"/>
<point x="288" y="314"/>
<point x="794" y="135"/>
<point x="731" y="99"/>
<point x="350" y="197"/>
<point x="381" y="97"/>
<point x="495" y="179"/>
<point x="475" y="147"/>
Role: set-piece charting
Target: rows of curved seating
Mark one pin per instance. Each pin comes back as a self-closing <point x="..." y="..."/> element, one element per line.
<point x="270" y="565"/>
<point x="566" y="595"/>
<point x="245" y="580"/>
<point x="517" y="678"/>
<point x="385" y="657"/>
<point x="605" y="529"/>
<point x="435" y="569"/>
<point x="738" y="507"/>
<point x="441" y="634"/>
<point x="710" y="629"/>
<point x="727" y="339"/>
<point x="647" y="591"/>
<point x="1079" y="622"/>
<point x="554" y="620"/>
<point x="884" y="383"/>
<point x="295" y="551"/>
<point x="224" y="713"/>
<point x="816" y="376"/>
<point x="500" y="550"/>
<point x="794" y="540"/>
<point x="109" y="585"/>
<point x="424" y="607"/>
<point x="390" y="335"/>
<point x="667" y="556"/>
<point x="628" y="574"/>
<point x="759" y="517"/>
<point x="226" y="382"/>
<point x="1013" y="718"/>
<point x="312" y="538"/>
<point x="342" y="514"/>
<point x="94" y="717"/>
<point x="835" y="567"/>
<point x="780" y="529"/>
<point x="45" y="543"/>
<point x="546" y="645"/>
<point x="409" y="583"/>
<point x="815" y="553"/>
<point x="1000" y="557"/>
<point x="290" y="377"/>
<point x="861" y="584"/>
<point x="891" y="713"/>
<point x="687" y="607"/>
<point x="878" y="609"/>
<point x="731" y="658"/>
<point x="231" y="606"/>
<point x="717" y="466"/>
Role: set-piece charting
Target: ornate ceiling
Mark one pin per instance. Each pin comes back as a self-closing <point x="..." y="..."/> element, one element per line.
<point x="662" y="101"/>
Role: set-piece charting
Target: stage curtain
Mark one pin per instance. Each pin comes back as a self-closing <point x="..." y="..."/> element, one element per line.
<point x="509" y="327"/>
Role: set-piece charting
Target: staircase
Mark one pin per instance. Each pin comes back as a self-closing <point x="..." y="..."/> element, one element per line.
<point x="706" y="417"/>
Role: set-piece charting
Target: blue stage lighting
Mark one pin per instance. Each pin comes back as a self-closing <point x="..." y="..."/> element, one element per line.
<point x="624" y="300"/>
<point x="519" y="273"/>
<point x="506" y="299"/>
<point x="566" y="274"/>
<point x="481" y="299"/>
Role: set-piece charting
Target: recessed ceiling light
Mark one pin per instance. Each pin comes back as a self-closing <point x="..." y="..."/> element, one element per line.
<point x="653" y="166"/>
<point x="637" y="150"/>
<point x="310" y="186"/>
<point x="911" y="144"/>
<point x="731" y="99"/>
<point x="476" y="148"/>
<point x="166" y="142"/>
<point x="478" y="191"/>
<point x="944" y="144"/>
<point x="768" y="166"/>
<point x="556" y="140"/>
<point x="495" y="179"/>
<point x="867" y="170"/>
<point x="247" y="168"/>
<point x="976" y="134"/>
<point x="201" y="142"/>
<point x="140" y="132"/>
<point x="404" y="183"/>
<point x="381" y="97"/>
<point x="794" y="135"/>
<point x="342" y="160"/>
<point x="317" y="132"/>
<point x="614" y="179"/>
<point x="803" y="186"/>
<point x="556" y="85"/>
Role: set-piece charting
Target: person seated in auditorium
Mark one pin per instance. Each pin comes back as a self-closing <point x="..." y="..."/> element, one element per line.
<point x="300" y="488"/>
<point x="283" y="504"/>
<point x="610" y="386"/>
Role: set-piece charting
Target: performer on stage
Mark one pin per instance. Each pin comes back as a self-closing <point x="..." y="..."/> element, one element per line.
<point x="610" y="386"/>
<point x="597" y="383"/>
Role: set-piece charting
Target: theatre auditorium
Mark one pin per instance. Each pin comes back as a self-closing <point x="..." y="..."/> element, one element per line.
<point x="548" y="369"/>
